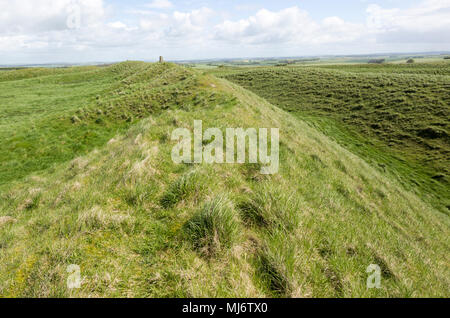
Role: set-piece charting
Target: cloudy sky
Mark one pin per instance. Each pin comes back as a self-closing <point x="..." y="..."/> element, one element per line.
<point x="45" y="31"/>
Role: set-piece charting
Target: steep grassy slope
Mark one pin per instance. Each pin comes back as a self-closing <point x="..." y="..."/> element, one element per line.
<point x="51" y="118"/>
<point x="139" y="225"/>
<point x="395" y="116"/>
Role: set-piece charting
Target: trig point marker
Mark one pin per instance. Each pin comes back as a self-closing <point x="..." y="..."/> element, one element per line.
<point x="161" y="59"/>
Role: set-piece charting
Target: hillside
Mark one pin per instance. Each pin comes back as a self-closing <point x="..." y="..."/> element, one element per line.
<point x="393" y="116"/>
<point x="51" y="116"/>
<point x="92" y="183"/>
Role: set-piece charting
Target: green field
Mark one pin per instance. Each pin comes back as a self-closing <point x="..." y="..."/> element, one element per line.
<point x="394" y="116"/>
<point x="87" y="178"/>
<point x="49" y="116"/>
<point x="357" y="60"/>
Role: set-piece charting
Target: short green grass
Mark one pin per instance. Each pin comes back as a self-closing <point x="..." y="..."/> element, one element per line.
<point x="51" y="116"/>
<point x="139" y="225"/>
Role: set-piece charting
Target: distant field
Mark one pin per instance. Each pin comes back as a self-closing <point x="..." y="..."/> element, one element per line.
<point x="396" y="59"/>
<point x="397" y="116"/>
<point x="441" y="68"/>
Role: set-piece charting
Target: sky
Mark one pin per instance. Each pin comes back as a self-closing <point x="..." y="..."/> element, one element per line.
<point x="78" y="31"/>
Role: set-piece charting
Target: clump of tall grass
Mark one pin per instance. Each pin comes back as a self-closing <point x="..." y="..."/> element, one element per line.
<point x="138" y="194"/>
<point x="98" y="219"/>
<point x="276" y="263"/>
<point x="32" y="202"/>
<point x="5" y="220"/>
<point x="214" y="227"/>
<point x="181" y="189"/>
<point x="268" y="207"/>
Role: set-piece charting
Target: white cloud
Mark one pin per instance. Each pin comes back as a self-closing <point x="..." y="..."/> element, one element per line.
<point x="160" y="4"/>
<point x="291" y="25"/>
<point x="33" y="16"/>
<point x="35" y="28"/>
<point x="117" y="25"/>
<point x="181" y="27"/>
<point x="427" y="22"/>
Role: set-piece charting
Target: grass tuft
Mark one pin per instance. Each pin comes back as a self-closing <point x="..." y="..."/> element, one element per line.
<point x="214" y="227"/>
<point x="181" y="189"/>
<point x="276" y="265"/>
<point x="269" y="207"/>
<point x="98" y="219"/>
